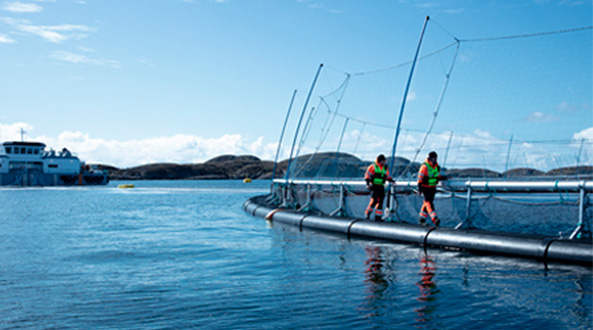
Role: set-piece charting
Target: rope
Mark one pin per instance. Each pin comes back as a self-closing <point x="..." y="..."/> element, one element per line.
<point x="435" y="112"/>
<point x="529" y="35"/>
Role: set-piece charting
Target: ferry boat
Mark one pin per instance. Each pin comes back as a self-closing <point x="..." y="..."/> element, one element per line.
<point x="30" y="164"/>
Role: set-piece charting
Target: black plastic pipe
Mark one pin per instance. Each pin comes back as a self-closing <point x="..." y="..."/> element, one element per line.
<point x="529" y="246"/>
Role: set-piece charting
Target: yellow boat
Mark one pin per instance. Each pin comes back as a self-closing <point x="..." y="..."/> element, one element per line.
<point x="247" y="180"/>
<point x="126" y="186"/>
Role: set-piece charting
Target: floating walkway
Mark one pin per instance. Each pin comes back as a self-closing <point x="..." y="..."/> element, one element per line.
<point x="545" y="249"/>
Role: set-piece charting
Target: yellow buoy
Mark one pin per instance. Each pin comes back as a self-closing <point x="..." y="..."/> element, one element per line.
<point x="126" y="186"/>
<point x="246" y="180"/>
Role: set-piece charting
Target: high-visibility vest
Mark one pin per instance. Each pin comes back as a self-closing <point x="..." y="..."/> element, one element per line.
<point x="380" y="175"/>
<point x="433" y="174"/>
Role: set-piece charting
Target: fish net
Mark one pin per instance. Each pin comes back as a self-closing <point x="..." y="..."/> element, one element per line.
<point x="495" y="108"/>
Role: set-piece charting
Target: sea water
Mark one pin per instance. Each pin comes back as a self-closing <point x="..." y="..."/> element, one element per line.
<point x="184" y="255"/>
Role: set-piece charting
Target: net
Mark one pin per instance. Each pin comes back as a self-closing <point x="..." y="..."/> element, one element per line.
<point x="497" y="108"/>
<point x="491" y="107"/>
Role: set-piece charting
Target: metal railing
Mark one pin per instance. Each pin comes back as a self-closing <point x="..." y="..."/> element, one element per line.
<point x="283" y="190"/>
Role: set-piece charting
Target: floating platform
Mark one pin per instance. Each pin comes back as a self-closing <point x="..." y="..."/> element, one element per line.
<point x="545" y="249"/>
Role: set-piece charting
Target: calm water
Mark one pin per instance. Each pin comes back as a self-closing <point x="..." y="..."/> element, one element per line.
<point x="184" y="255"/>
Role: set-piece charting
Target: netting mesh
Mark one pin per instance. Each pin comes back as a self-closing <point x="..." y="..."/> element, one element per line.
<point x="495" y="104"/>
<point x="550" y="214"/>
<point x="493" y="108"/>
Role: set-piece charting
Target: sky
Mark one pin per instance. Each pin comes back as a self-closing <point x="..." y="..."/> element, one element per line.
<point x="132" y="82"/>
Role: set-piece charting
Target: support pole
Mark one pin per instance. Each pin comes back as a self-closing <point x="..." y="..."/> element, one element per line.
<point x="506" y="166"/>
<point x="339" y="146"/>
<point x="296" y="134"/>
<point x="468" y="205"/>
<point x="282" y="135"/>
<point x="447" y="151"/>
<point x="401" y="111"/>
<point x="307" y="206"/>
<point x="580" y="225"/>
<point x="340" y="211"/>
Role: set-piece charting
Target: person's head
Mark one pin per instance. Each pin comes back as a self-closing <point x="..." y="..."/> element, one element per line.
<point x="381" y="159"/>
<point x="432" y="156"/>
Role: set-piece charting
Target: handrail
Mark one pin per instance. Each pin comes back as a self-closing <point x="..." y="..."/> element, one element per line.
<point x="463" y="185"/>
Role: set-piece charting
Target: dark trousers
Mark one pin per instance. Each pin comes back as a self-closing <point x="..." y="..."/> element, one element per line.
<point x="428" y="205"/>
<point x="377" y="197"/>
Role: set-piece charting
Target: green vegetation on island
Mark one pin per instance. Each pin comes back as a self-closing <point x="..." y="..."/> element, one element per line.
<point x="322" y="165"/>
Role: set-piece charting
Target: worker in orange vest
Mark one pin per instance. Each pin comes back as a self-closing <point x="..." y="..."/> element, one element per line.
<point x="428" y="177"/>
<point x="375" y="177"/>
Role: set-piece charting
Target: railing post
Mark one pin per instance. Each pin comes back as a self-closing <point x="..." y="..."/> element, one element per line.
<point x="340" y="210"/>
<point x="578" y="231"/>
<point x="390" y="209"/>
<point x="285" y="195"/>
<point x="468" y="205"/>
<point x="307" y="205"/>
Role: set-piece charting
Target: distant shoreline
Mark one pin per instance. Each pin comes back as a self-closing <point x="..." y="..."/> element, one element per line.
<point x="230" y="167"/>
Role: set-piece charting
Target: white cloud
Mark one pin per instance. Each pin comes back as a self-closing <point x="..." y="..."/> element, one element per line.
<point x="83" y="59"/>
<point x="51" y="33"/>
<point x="12" y="132"/>
<point x="540" y="117"/>
<point x="483" y="134"/>
<point x="567" y="107"/>
<point x="85" y="49"/>
<point x="20" y="7"/>
<point x="4" y="39"/>
<point x="586" y="134"/>
<point x="178" y="148"/>
<point x="454" y="11"/>
<point x="479" y="149"/>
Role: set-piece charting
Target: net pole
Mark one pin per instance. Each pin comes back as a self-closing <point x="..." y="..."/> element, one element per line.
<point x="401" y="111"/>
<point x="447" y="151"/>
<point x="296" y="133"/>
<point x="282" y="135"/>
<point x="506" y="165"/>
<point x="339" y="146"/>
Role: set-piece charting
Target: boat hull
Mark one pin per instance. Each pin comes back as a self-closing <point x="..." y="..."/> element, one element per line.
<point x="38" y="179"/>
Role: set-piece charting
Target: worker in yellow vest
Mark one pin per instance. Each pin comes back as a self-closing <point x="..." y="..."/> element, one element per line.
<point x="375" y="177"/>
<point x="428" y="177"/>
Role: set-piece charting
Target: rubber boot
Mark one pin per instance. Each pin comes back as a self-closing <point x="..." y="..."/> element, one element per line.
<point x="437" y="222"/>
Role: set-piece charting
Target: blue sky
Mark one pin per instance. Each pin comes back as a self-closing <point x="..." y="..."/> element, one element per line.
<point x="136" y="81"/>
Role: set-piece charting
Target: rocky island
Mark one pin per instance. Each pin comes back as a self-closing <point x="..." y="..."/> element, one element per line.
<point x="322" y="165"/>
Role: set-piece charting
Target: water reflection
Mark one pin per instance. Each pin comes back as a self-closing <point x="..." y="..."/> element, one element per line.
<point x="429" y="291"/>
<point x="375" y="280"/>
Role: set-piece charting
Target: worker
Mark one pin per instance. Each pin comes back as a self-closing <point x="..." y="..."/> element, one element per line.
<point x="375" y="177"/>
<point x="428" y="177"/>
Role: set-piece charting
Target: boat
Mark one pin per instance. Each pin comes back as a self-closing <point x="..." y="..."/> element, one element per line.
<point x="30" y="164"/>
<point x="126" y="186"/>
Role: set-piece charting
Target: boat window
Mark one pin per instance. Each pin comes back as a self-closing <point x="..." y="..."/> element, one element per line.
<point x="23" y="150"/>
<point x="29" y="151"/>
<point x="16" y="150"/>
<point x="53" y="165"/>
<point x="36" y="151"/>
<point x="8" y="150"/>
